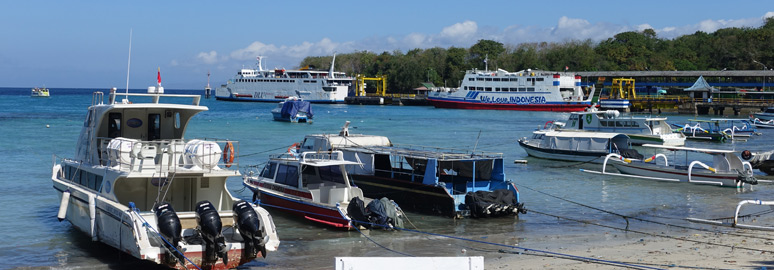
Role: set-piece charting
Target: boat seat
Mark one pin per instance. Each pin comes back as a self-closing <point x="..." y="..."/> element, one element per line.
<point x="338" y="195"/>
<point x="324" y="193"/>
<point x="315" y="195"/>
<point x="147" y="157"/>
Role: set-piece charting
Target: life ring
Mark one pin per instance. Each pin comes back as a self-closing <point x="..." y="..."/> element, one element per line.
<point x="228" y="154"/>
<point x="292" y="149"/>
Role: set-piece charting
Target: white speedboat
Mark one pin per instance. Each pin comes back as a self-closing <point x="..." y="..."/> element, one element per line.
<point x="136" y="185"/>
<point x="641" y="130"/>
<point x="727" y="169"/>
<point x="526" y="90"/>
<point x="317" y="187"/>
<point x="262" y="85"/>
<point x="40" y="92"/>
<point x="576" y="146"/>
<point x="293" y="110"/>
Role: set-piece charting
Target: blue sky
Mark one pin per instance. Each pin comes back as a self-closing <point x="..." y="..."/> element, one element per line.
<point x="85" y="44"/>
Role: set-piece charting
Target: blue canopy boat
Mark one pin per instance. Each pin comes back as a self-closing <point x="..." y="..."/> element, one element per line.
<point x="293" y="110"/>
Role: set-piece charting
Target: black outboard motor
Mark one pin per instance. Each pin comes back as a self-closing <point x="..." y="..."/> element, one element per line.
<point x="210" y="229"/>
<point x="250" y="228"/>
<point x="170" y="228"/>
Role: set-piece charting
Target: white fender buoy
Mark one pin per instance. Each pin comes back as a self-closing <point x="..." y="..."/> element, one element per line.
<point x="63" y="205"/>
<point x="93" y="216"/>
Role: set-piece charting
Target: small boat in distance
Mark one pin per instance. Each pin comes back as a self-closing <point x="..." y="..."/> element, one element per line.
<point x="263" y="85"/>
<point x="735" y="223"/>
<point x="641" y="130"/>
<point x="577" y="146"/>
<point x="526" y="90"/>
<point x="763" y="124"/>
<point x="40" y="92"/>
<point x="313" y="185"/>
<point x="703" y="130"/>
<point x="727" y="169"/>
<point x="136" y="185"/>
<point x="293" y="110"/>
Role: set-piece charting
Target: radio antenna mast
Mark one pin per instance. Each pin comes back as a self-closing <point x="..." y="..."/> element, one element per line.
<point x="129" y="62"/>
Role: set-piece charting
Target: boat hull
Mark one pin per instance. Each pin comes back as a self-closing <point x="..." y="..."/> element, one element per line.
<point x="551" y="107"/>
<point x="565" y="155"/>
<point x="698" y="175"/>
<point x="415" y="197"/>
<point x="303" y="207"/>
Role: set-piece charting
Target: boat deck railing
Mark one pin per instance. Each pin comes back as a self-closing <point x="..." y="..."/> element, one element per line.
<point x="155" y="98"/>
<point x="168" y="155"/>
<point x="439" y="153"/>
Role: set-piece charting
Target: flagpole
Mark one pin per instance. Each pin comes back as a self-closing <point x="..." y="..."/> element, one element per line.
<point x="129" y="63"/>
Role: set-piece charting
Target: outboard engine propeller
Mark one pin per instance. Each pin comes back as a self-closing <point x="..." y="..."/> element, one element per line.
<point x="210" y="229"/>
<point x="250" y="228"/>
<point x="170" y="228"/>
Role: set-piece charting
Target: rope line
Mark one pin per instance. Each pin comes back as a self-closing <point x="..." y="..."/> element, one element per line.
<point x="472" y="240"/>
<point x="625" y="217"/>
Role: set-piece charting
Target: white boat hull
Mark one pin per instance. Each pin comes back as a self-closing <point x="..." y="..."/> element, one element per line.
<point x="698" y="175"/>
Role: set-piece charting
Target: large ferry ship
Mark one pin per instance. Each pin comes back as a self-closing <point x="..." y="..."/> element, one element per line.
<point x="526" y="90"/>
<point x="261" y="85"/>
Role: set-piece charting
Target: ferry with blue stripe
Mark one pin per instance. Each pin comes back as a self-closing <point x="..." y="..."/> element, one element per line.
<point x="262" y="85"/>
<point x="526" y="90"/>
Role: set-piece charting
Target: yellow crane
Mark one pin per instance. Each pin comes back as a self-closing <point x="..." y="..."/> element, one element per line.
<point x="381" y="85"/>
<point x="623" y="89"/>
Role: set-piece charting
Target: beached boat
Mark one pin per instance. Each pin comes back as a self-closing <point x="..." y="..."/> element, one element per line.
<point x="262" y="85"/>
<point x="765" y="115"/>
<point x="727" y="169"/>
<point x="314" y="185"/>
<point x="293" y="110"/>
<point x="763" y="124"/>
<point x="136" y="185"/>
<point x="703" y="130"/>
<point x="40" y="92"/>
<point x="576" y="146"/>
<point x="526" y="90"/>
<point x="641" y="130"/>
<point x="447" y="182"/>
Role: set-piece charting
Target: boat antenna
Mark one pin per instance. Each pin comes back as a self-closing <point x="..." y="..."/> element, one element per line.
<point x="476" y="145"/>
<point x="129" y="62"/>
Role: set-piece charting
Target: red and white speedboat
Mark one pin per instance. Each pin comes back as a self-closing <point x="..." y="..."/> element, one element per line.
<point x="313" y="185"/>
<point x="526" y="90"/>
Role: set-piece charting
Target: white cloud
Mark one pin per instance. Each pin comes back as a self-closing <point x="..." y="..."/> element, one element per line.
<point x="459" y="31"/>
<point x="208" y="58"/>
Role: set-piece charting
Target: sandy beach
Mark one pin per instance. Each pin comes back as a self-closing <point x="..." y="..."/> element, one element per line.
<point x="743" y="249"/>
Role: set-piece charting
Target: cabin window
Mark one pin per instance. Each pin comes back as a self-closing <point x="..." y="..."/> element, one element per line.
<point x="496" y="79"/>
<point x="331" y="174"/>
<point x="530" y="89"/>
<point x="479" y="79"/>
<point x="522" y="89"/>
<point x="287" y="175"/>
<point x="618" y="124"/>
<point x="539" y="79"/>
<point x="154" y="126"/>
<point x="114" y="125"/>
<point x="514" y="79"/>
<point x="488" y="89"/>
<point x="488" y="79"/>
<point x="177" y="119"/>
<point x="471" y="79"/>
<point x="603" y="123"/>
<point x="268" y="170"/>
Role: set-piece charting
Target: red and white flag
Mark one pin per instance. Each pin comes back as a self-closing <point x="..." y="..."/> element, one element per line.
<point x="158" y="76"/>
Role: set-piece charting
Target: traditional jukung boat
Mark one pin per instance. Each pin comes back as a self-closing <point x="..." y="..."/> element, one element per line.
<point x="763" y="161"/>
<point x="447" y="182"/>
<point x="705" y="130"/>
<point x="727" y="169"/>
<point x="765" y="115"/>
<point x="293" y="110"/>
<point x="735" y="222"/>
<point x="314" y="185"/>
<point x="575" y="146"/>
<point x="641" y="130"/>
<point x="763" y="123"/>
<point x="737" y="128"/>
<point x="136" y="185"/>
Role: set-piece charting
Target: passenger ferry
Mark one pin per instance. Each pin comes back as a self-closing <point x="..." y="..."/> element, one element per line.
<point x="526" y="90"/>
<point x="261" y="85"/>
<point x="641" y="130"/>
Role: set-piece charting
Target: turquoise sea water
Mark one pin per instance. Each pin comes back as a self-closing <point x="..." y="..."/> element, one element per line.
<point x="35" y="129"/>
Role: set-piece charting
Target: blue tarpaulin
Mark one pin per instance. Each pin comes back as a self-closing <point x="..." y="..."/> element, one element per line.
<point x="292" y="107"/>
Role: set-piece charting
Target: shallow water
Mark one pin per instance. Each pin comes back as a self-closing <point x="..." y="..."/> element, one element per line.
<point x="34" y="129"/>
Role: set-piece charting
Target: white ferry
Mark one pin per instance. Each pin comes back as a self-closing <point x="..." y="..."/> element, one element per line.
<point x="261" y="85"/>
<point x="641" y="130"/>
<point x="526" y="90"/>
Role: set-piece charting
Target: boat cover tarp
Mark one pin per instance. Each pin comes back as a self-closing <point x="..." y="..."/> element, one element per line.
<point x="499" y="202"/>
<point x="763" y="161"/>
<point x="381" y="213"/>
<point x="291" y="107"/>
<point x="585" y="143"/>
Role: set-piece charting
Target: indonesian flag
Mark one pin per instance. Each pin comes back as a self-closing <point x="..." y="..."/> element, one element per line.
<point x="158" y="76"/>
<point x="566" y="68"/>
